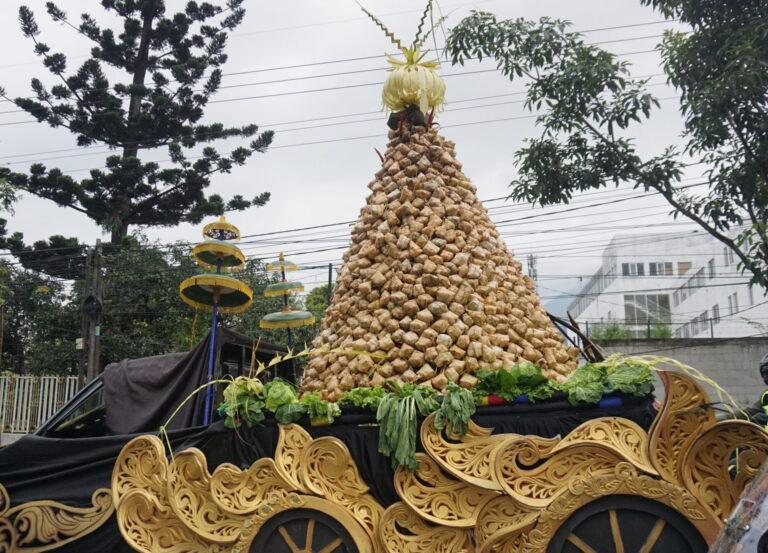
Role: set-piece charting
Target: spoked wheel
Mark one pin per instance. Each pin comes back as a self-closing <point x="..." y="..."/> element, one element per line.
<point x="303" y="531"/>
<point x="627" y="524"/>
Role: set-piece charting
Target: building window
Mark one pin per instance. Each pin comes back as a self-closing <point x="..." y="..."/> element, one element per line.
<point x="699" y="323"/>
<point x="751" y="296"/>
<point x="676" y="298"/>
<point x="711" y="267"/>
<point x="727" y="255"/>
<point x="638" y="309"/>
<point x="633" y="269"/>
<point x="661" y="268"/>
<point x="683" y="267"/>
<point x="733" y="304"/>
<point x="716" y="313"/>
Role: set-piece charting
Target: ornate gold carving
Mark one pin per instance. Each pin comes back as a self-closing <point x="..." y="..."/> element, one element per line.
<point x="622" y="436"/>
<point x="144" y="515"/>
<point x="189" y="494"/>
<point x="706" y="469"/>
<point x="437" y="498"/>
<point x="39" y="526"/>
<point x="535" y="482"/>
<point x="242" y="492"/>
<point x="470" y="457"/>
<point x="141" y="465"/>
<point x="501" y="521"/>
<point x="149" y="525"/>
<point x="290" y="446"/>
<point x="683" y="416"/>
<point x="327" y="469"/>
<point x="421" y="537"/>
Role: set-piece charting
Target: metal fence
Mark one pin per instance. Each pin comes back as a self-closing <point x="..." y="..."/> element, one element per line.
<point x="26" y="402"/>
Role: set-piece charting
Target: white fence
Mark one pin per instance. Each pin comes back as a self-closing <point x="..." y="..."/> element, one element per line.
<point x="26" y="402"/>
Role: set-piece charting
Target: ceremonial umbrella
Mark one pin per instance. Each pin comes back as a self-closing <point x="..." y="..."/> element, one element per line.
<point x="216" y="292"/>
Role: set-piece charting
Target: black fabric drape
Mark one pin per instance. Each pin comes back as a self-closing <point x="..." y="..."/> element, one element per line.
<point x="140" y="394"/>
<point x="69" y="470"/>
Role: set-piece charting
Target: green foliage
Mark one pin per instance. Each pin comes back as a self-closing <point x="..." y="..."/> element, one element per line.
<point x="588" y="104"/>
<point x="457" y="407"/>
<point x="40" y="323"/>
<point x="243" y="403"/>
<point x="317" y="300"/>
<point x="145" y="86"/>
<point x="278" y="392"/>
<point x="608" y="331"/>
<point x="398" y="421"/>
<point x="522" y="379"/>
<point x="369" y="398"/>
<point x="661" y="331"/>
<point x="630" y="378"/>
<point x="588" y="383"/>
<point x="585" y="385"/>
<point x="320" y="410"/>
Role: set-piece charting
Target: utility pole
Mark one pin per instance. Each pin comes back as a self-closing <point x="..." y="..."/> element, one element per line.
<point x="81" y="344"/>
<point x="330" y="281"/>
<point x="532" y="272"/>
<point x="92" y="308"/>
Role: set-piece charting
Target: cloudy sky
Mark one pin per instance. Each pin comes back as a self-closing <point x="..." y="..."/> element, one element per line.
<point x="311" y="70"/>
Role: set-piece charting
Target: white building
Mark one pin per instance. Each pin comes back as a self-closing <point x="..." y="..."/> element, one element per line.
<point x="686" y="282"/>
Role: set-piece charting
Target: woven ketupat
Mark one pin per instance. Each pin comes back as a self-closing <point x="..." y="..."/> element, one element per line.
<point x="429" y="283"/>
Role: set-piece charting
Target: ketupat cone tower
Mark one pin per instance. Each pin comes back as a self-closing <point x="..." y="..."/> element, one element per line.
<point x="427" y="282"/>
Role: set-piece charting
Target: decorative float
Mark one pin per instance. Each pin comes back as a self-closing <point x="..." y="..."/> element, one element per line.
<point x="440" y="412"/>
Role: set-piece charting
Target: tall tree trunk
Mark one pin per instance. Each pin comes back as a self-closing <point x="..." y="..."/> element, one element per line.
<point x="131" y="148"/>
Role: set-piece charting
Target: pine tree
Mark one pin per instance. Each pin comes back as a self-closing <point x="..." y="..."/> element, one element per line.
<point x="171" y="66"/>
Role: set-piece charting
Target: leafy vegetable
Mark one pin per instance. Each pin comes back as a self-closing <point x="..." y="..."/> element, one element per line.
<point x="397" y="416"/>
<point x="523" y="378"/>
<point x="585" y="385"/>
<point x="278" y="392"/>
<point x="320" y="409"/>
<point x="290" y="412"/>
<point x="364" y="397"/>
<point x="630" y="378"/>
<point x="243" y="402"/>
<point x="454" y="412"/>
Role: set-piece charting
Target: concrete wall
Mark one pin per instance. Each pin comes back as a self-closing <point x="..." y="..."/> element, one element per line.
<point x="731" y="362"/>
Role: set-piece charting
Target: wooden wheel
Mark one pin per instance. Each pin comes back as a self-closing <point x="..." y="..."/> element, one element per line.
<point x="303" y="531"/>
<point x="626" y="524"/>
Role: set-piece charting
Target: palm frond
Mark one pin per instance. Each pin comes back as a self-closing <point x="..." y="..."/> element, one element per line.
<point x="381" y="26"/>
<point x="427" y="11"/>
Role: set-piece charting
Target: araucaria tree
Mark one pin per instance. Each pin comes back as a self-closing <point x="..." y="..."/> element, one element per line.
<point x="588" y="100"/>
<point x="170" y="66"/>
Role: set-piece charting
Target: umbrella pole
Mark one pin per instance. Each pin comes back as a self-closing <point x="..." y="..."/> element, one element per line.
<point x="288" y="330"/>
<point x="212" y="350"/>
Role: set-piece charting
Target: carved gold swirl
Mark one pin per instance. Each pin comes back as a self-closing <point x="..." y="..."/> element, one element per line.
<point x="440" y="499"/>
<point x="189" y="495"/>
<point x="470" y="457"/>
<point x="683" y="416"/>
<point x="242" y="492"/>
<point x="705" y="470"/>
<point x="292" y="441"/>
<point x="38" y="526"/>
<point x="150" y="526"/>
<point x="535" y="481"/>
<point x="501" y="521"/>
<point x="328" y="470"/>
<point x="622" y="436"/>
<point x="141" y="465"/>
<point x="419" y="536"/>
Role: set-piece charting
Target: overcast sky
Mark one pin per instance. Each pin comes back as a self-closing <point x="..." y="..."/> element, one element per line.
<point x="318" y="175"/>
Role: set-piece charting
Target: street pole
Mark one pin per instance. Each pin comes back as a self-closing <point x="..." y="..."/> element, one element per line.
<point x="94" y="326"/>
